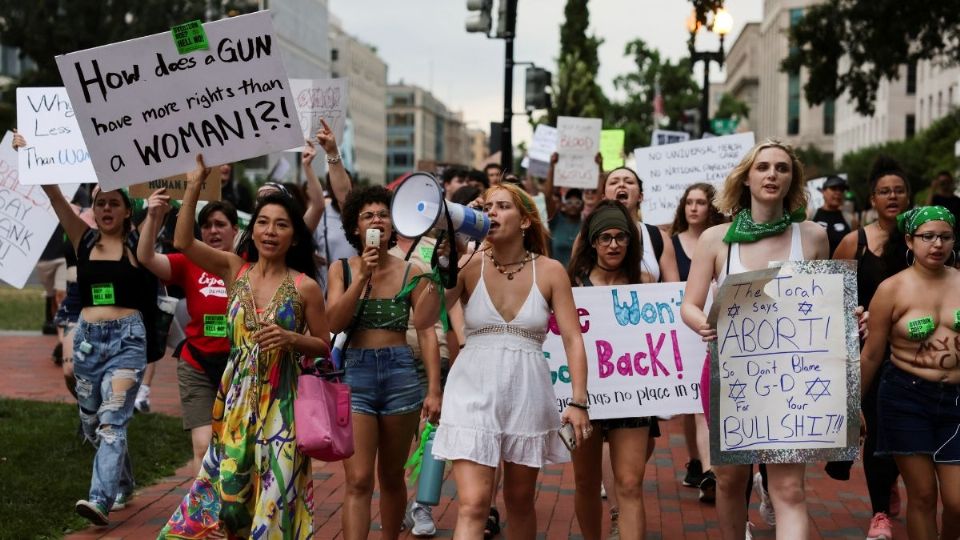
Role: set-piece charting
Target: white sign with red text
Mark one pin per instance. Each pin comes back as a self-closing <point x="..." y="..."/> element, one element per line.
<point x="578" y="142"/>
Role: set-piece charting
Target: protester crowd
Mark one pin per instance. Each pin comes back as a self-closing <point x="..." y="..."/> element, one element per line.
<point x="418" y="351"/>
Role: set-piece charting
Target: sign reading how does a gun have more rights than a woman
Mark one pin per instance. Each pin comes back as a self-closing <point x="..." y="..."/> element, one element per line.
<point x="785" y="370"/>
<point x="146" y="111"/>
<point x="642" y="360"/>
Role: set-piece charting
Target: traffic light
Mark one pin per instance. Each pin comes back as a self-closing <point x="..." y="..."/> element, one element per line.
<point x="482" y="21"/>
<point x="691" y="121"/>
<point x="538" y="81"/>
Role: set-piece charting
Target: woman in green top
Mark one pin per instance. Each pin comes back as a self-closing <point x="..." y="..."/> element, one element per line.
<point x="386" y="393"/>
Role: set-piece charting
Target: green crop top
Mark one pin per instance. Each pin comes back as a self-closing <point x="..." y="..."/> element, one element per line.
<point x="922" y="328"/>
<point x="384" y="313"/>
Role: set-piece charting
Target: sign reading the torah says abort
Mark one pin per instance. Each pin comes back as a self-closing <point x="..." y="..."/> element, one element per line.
<point x="642" y="360"/>
<point x="785" y="385"/>
<point x="146" y="111"/>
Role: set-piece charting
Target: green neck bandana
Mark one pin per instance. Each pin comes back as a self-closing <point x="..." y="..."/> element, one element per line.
<point x="744" y="230"/>
<point x="911" y="220"/>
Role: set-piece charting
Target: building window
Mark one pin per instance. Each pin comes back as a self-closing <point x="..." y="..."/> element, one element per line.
<point x="911" y="125"/>
<point x="401" y="160"/>
<point x="334" y="54"/>
<point x="912" y="78"/>
<point x="400" y="119"/>
<point x="828" y="117"/>
<point x="793" y="104"/>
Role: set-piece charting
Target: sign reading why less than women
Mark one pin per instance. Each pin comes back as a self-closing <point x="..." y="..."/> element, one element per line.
<point x="320" y="99"/>
<point x="55" y="151"/>
<point x="641" y="359"/>
<point x="578" y="141"/>
<point x="785" y="385"/>
<point x="26" y="218"/>
<point x="146" y="110"/>
<point x="666" y="171"/>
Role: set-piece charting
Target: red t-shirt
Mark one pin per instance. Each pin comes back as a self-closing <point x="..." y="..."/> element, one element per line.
<point x="207" y="305"/>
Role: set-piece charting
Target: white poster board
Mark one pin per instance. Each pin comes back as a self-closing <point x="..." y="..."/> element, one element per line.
<point x="55" y="151"/>
<point x="26" y="218"/>
<point x="317" y="99"/>
<point x="543" y="145"/>
<point x="146" y="111"/>
<point x="642" y="360"/>
<point x="578" y="141"/>
<point x="666" y="171"/>
<point x="661" y="137"/>
<point x="785" y="385"/>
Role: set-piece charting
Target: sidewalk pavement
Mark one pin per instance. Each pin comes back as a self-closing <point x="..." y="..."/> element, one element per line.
<point x="837" y="509"/>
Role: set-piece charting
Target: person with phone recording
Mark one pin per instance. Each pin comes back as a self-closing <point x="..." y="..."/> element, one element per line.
<point x="499" y="403"/>
<point x="387" y="400"/>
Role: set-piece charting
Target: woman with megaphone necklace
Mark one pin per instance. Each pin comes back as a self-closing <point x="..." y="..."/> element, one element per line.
<point x="499" y="403"/>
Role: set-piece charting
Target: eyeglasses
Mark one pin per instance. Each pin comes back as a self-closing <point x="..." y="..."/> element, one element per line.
<point x="885" y="192"/>
<point x="573" y="201"/>
<point x="368" y="216"/>
<point x="929" y="237"/>
<point x="622" y="239"/>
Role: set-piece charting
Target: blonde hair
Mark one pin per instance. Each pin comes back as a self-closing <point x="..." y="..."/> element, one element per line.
<point x="735" y="197"/>
<point x="535" y="238"/>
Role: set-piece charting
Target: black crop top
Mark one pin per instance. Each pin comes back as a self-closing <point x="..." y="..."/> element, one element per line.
<point x="113" y="283"/>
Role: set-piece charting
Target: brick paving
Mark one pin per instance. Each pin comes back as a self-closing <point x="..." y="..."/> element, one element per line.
<point x="837" y="509"/>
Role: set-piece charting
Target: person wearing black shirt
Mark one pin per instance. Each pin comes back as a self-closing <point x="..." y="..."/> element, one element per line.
<point x="942" y="194"/>
<point x="829" y="215"/>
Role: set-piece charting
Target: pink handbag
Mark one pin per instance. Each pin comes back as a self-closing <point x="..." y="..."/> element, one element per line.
<point x="321" y="415"/>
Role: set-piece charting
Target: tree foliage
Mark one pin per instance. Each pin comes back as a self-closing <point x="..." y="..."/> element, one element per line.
<point x="635" y="113"/>
<point x="851" y="45"/>
<point x="576" y="92"/>
<point x="731" y="107"/>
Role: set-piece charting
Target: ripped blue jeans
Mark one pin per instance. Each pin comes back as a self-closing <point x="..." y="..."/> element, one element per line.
<point x="109" y="358"/>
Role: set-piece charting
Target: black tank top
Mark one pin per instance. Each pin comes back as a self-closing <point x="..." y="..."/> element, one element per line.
<point x="112" y="283"/>
<point x="683" y="262"/>
<point x="871" y="271"/>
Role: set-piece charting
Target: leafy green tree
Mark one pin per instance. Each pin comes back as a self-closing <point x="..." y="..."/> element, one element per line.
<point x="576" y="92"/>
<point x="677" y="87"/>
<point x="816" y="162"/>
<point x="731" y="107"/>
<point x="851" y="45"/>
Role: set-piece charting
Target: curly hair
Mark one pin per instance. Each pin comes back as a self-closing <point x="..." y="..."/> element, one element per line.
<point x="584" y="257"/>
<point x="535" y="239"/>
<point x="350" y="217"/>
<point x="714" y="217"/>
<point x="300" y="255"/>
<point x="736" y="196"/>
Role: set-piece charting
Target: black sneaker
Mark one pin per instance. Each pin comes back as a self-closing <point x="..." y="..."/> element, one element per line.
<point x="708" y="488"/>
<point x="694" y="473"/>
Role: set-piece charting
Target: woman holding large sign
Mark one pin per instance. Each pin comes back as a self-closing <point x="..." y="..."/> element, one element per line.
<point x="610" y="255"/>
<point x="918" y="403"/>
<point x="499" y="403"/>
<point x="766" y="195"/>
<point x="253" y="478"/>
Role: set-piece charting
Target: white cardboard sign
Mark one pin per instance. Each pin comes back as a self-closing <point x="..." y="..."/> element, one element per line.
<point x="317" y="99"/>
<point x="55" y="151"/>
<point x="666" y="171"/>
<point x="642" y="360"/>
<point x="578" y="141"/>
<point x="26" y="218"/>
<point x="146" y="111"/>
<point x="543" y="145"/>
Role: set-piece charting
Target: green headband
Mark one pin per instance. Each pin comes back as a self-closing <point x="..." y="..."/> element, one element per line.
<point x="911" y="220"/>
<point x="607" y="217"/>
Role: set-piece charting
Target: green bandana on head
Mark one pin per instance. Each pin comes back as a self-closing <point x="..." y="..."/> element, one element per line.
<point x="607" y="217"/>
<point x="744" y="230"/>
<point x="911" y="220"/>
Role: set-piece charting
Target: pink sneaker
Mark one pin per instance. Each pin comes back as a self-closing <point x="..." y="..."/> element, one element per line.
<point x="880" y="528"/>
<point x="895" y="500"/>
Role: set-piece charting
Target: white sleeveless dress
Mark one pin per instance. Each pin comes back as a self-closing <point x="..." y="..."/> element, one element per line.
<point x="499" y="403"/>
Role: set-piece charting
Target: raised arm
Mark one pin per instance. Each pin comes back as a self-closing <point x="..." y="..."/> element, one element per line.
<point x="548" y="186"/>
<point x="698" y="283"/>
<point x="314" y="190"/>
<point x="340" y="184"/>
<point x="69" y="220"/>
<point x="157" y="263"/>
<point x="342" y="303"/>
<point x="220" y="263"/>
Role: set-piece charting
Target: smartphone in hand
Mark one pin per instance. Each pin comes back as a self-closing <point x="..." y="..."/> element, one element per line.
<point x="567" y="436"/>
<point x="373" y="238"/>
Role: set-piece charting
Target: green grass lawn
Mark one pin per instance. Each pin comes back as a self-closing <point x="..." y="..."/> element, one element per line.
<point x="22" y="308"/>
<point x="45" y="468"/>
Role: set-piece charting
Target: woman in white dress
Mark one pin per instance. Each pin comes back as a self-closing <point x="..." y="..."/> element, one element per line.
<point x="499" y="403"/>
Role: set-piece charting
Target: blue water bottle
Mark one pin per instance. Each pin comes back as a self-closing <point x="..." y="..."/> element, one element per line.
<point x="431" y="476"/>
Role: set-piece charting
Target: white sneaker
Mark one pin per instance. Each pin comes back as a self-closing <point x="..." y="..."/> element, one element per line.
<point x="422" y="517"/>
<point x="749" y="535"/>
<point x="767" y="511"/>
<point x="142" y="402"/>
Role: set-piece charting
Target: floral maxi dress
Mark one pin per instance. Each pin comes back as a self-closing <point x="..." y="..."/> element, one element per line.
<point x="253" y="481"/>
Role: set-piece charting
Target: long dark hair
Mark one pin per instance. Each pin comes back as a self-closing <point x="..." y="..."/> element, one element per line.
<point x="714" y="217"/>
<point x="300" y="255"/>
<point x="584" y="256"/>
<point x="894" y="254"/>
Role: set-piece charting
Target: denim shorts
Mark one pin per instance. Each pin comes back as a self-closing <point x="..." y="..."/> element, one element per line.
<point x="918" y="416"/>
<point x="383" y="381"/>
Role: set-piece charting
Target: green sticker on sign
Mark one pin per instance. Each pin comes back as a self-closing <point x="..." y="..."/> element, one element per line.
<point x="215" y="325"/>
<point x="426" y="253"/>
<point x="102" y="294"/>
<point x="189" y="37"/>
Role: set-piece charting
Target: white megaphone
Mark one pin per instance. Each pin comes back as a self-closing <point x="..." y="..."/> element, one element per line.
<point x="418" y="205"/>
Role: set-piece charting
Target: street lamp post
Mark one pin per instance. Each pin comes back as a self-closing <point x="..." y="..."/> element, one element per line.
<point x="721" y="25"/>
